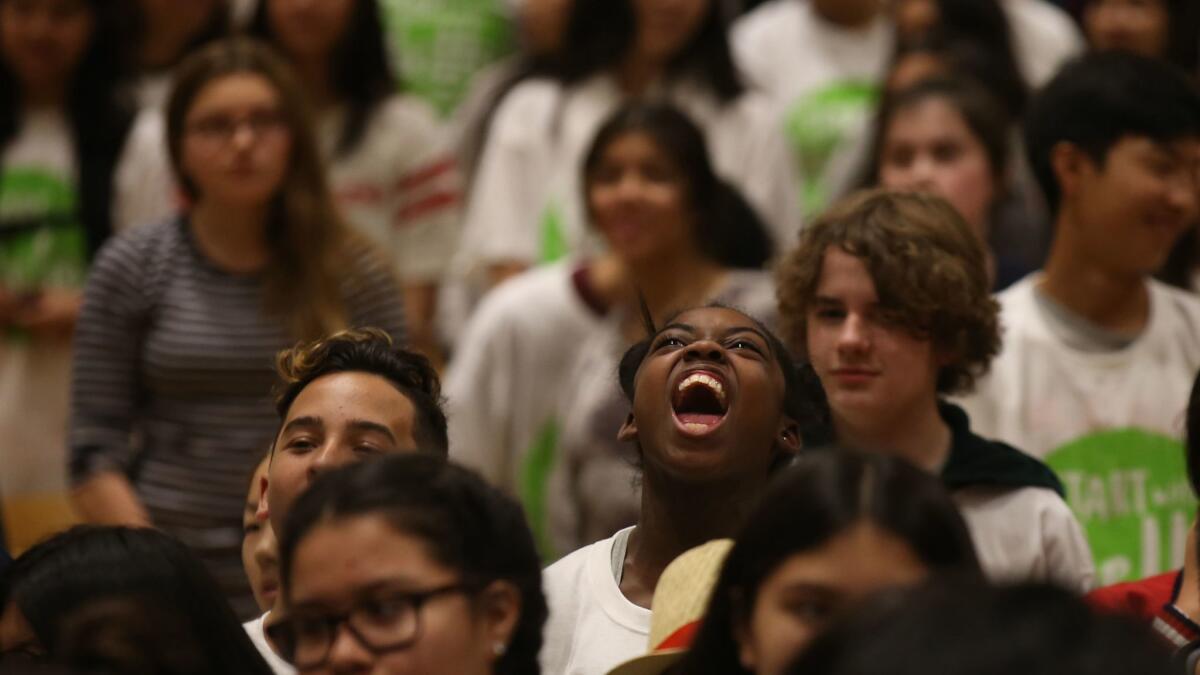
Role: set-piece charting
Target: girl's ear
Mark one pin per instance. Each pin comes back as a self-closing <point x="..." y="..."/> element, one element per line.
<point x="788" y="438"/>
<point x="500" y="611"/>
<point x="628" y="431"/>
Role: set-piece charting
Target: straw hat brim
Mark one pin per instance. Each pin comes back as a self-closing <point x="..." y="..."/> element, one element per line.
<point x="649" y="664"/>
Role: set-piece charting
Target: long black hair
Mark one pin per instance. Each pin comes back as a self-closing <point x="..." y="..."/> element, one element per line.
<point x="98" y="116"/>
<point x="75" y="572"/>
<point x="600" y="34"/>
<point x="360" y="71"/>
<point x="823" y="494"/>
<point x="466" y="525"/>
<point x="727" y="230"/>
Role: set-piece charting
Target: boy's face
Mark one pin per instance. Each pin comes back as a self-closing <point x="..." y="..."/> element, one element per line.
<point x="873" y="371"/>
<point x="1131" y="209"/>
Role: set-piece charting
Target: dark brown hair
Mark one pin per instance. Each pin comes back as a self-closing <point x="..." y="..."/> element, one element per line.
<point x="929" y="269"/>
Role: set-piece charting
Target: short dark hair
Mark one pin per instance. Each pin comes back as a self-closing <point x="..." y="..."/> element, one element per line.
<point x="466" y="524"/>
<point x="795" y="402"/>
<point x="600" y="34"/>
<point x="970" y="627"/>
<point x="823" y="494"/>
<point x="728" y="230"/>
<point x="368" y="350"/>
<point x="1097" y="100"/>
<point x="86" y="565"/>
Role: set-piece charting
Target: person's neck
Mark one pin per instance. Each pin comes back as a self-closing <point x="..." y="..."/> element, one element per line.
<point x="919" y="436"/>
<point x="164" y="42"/>
<point x="676" y="283"/>
<point x="638" y="74"/>
<point x="835" y="15"/>
<point x="675" y="518"/>
<point x="1115" y="300"/>
<point x="314" y="72"/>
<point x="43" y="96"/>
<point x="234" y="239"/>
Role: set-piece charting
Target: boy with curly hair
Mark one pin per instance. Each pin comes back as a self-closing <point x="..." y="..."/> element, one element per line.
<point x="886" y="298"/>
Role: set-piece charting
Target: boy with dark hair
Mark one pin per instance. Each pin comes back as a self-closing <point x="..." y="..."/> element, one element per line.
<point x="1098" y="356"/>
<point x="343" y="399"/>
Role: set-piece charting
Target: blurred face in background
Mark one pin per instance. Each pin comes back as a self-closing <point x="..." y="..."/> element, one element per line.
<point x="236" y="143"/>
<point x="927" y="146"/>
<point x="544" y="23"/>
<point x="666" y="27"/>
<point x="808" y="590"/>
<point x="42" y="42"/>
<point x="309" y="29"/>
<point x="638" y="199"/>
<point x="1138" y="26"/>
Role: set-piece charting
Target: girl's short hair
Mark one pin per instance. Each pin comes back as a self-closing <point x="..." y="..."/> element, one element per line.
<point x="76" y="572"/>
<point x="823" y="494"/>
<point x="929" y="269"/>
<point x="466" y="525"/>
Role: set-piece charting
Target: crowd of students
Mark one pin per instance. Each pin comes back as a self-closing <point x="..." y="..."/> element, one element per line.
<point x="812" y="336"/>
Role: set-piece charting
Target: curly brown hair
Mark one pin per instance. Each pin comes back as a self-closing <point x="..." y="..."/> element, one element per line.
<point x="368" y="350"/>
<point x="929" y="270"/>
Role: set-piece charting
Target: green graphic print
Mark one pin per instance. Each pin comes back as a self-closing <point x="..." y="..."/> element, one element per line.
<point x="42" y="244"/>
<point x="1129" y="489"/>
<point x="818" y="125"/>
<point x="438" y="45"/>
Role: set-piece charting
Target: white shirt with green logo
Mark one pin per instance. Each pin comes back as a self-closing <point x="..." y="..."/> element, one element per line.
<point x="1109" y="423"/>
<point x="825" y="80"/>
<point x="42" y="245"/>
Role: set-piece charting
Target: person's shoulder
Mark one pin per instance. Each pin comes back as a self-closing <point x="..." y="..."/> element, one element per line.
<point x="538" y="290"/>
<point x="527" y="107"/>
<point x="1185" y="300"/>
<point x="769" y="21"/>
<point x="406" y="112"/>
<point x="149" y="244"/>
<point x="566" y="575"/>
<point x="1142" y="598"/>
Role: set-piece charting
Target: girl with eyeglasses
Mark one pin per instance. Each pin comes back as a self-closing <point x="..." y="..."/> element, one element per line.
<point x="409" y="564"/>
<point x="181" y="320"/>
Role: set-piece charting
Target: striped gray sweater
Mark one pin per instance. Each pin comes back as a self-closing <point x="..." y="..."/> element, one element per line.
<point x="172" y="378"/>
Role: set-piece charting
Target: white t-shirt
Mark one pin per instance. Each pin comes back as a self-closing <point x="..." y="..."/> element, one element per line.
<point x="254" y="628"/>
<point x="592" y="625"/>
<point x="399" y="185"/>
<point x="526" y="203"/>
<point x="1044" y="38"/>
<point x="825" y="82"/>
<point x="42" y="244"/>
<point x="504" y="385"/>
<point x="1109" y="423"/>
<point x="1026" y="534"/>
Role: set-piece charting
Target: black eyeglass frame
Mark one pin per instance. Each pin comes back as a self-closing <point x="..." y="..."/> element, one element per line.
<point x="282" y="633"/>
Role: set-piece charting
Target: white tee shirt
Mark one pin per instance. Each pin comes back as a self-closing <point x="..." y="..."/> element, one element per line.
<point x="526" y="203"/>
<point x="399" y="185"/>
<point x="258" y="636"/>
<point x="42" y="245"/>
<point x="1109" y="423"/>
<point x="1044" y="38"/>
<point x="592" y="625"/>
<point x="1026" y="534"/>
<point x="824" y="80"/>
<point x="504" y="385"/>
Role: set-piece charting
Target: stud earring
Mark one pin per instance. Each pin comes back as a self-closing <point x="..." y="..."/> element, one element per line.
<point x="499" y="648"/>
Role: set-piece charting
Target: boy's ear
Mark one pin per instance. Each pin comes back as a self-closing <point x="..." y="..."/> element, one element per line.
<point x="628" y="431"/>
<point x="264" y="509"/>
<point x="1069" y="163"/>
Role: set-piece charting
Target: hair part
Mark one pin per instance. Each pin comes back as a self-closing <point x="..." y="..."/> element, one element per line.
<point x="308" y="239"/>
<point x="370" y="351"/>
<point x="824" y="494"/>
<point x="466" y="525"/>
<point x="929" y="270"/>
<point x="726" y="228"/>
<point x="1099" y="99"/>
